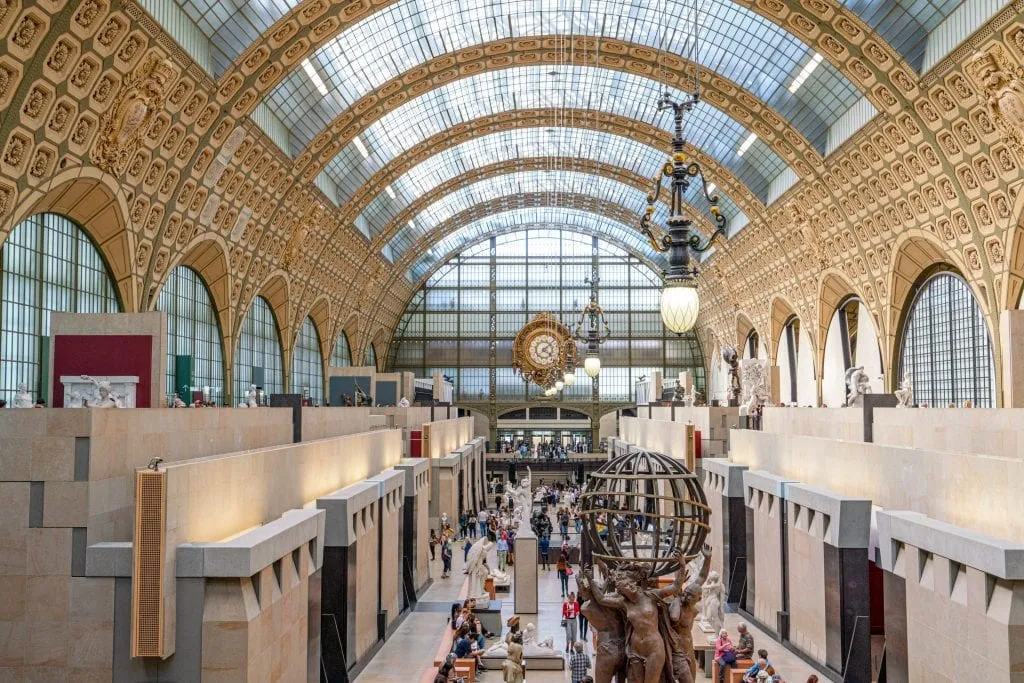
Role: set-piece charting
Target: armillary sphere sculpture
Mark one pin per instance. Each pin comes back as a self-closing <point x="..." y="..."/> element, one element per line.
<point x="644" y="516"/>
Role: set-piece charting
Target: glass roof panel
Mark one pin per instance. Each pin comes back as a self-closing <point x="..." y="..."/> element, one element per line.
<point x="736" y="42"/>
<point x="532" y="87"/>
<point x="904" y="24"/>
<point x="557" y="144"/>
<point x="523" y="182"/>
<point x="530" y="218"/>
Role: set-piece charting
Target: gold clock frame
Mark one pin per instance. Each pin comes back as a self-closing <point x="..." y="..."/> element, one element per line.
<point x="522" y="361"/>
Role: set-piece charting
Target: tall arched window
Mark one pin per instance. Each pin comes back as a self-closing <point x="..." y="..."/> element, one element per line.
<point x="307" y="363"/>
<point x="946" y="349"/>
<point x="192" y="330"/>
<point x="259" y="347"/>
<point x="341" y="356"/>
<point x="47" y="264"/>
<point x="752" y="345"/>
<point x="788" y="352"/>
<point x="851" y="341"/>
<point x="371" y="355"/>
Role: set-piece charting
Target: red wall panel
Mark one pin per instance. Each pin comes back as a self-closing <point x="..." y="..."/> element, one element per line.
<point x="103" y="355"/>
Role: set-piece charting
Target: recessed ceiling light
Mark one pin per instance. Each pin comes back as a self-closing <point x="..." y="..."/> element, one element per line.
<point x="412" y="225"/>
<point x="315" y="77"/>
<point x="361" y="147"/>
<point x="391" y="193"/>
<point x="805" y="72"/>
<point x="711" y="188"/>
<point x="746" y="144"/>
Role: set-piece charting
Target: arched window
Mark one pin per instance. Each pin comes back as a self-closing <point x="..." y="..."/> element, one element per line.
<point x="371" y="355"/>
<point x="259" y="349"/>
<point x="47" y="264"/>
<point x="851" y="341"/>
<point x="341" y="356"/>
<point x="946" y="349"/>
<point x="788" y="353"/>
<point x="307" y="364"/>
<point x="752" y="345"/>
<point x="192" y="330"/>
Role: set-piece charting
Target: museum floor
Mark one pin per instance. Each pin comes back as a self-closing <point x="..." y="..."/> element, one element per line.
<point x="409" y="653"/>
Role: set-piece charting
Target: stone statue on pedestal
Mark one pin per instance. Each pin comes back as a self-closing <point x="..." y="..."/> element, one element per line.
<point x="731" y="359"/>
<point x="22" y="399"/>
<point x="755" y="384"/>
<point x="857" y="384"/>
<point x="535" y="646"/>
<point x="479" y="572"/>
<point x="512" y="669"/>
<point x="250" y="397"/>
<point x="712" y="615"/>
<point x="178" y="403"/>
<point x="905" y="394"/>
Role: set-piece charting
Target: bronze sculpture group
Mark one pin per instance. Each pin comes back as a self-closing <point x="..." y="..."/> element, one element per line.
<point x="644" y="631"/>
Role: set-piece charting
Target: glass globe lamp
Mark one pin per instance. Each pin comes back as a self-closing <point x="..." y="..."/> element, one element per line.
<point x="559" y="385"/>
<point x="569" y="378"/>
<point x="680" y="305"/>
<point x="592" y="366"/>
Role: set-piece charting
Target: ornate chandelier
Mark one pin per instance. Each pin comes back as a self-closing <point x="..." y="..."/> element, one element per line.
<point x="593" y="315"/>
<point x="680" y="303"/>
<point x="544" y="352"/>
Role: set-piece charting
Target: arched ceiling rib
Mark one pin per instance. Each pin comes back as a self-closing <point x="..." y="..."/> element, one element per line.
<point x="551" y="149"/>
<point x="470" y="236"/>
<point x="416" y="235"/>
<point x="526" y="87"/>
<point x="580" y="212"/>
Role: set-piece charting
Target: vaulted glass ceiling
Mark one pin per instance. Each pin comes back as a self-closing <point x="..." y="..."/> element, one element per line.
<point x="558" y="146"/>
<point x="530" y="218"/>
<point x="532" y="87"/>
<point x="735" y="42"/>
<point x="231" y="26"/>
<point x="523" y="182"/>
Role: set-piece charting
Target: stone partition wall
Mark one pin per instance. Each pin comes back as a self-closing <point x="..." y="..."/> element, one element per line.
<point x="444" y="490"/>
<point x="67" y="481"/>
<point x="416" y="536"/>
<point x="350" y="581"/>
<point x="765" y="498"/>
<point x="391" y="531"/>
<point x="668" y="438"/>
<point x="324" y="423"/>
<point x="831" y="423"/>
<point x="971" y="491"/>
<point x="723" y="486"/>
<point x="952" y="602"/>
<point x="991" y="431"/>
<point x="827" y="536"/>
<point x="448" y="435"/>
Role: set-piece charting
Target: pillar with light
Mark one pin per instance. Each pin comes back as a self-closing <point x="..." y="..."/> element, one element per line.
<point x="596" y="333"/>
<point x="680" y="303"/>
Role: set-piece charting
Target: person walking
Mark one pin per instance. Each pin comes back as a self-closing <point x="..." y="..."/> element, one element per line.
<point x="433" y="544"/>
<point x="543" y="548"/>
<point x="563" y="571"/>
<point x="481" y="519"/>
<point x="570" y="614"/>
<point x="446" y="557"/>
<point x="502" y="551"/>
<point x="579" y="663"/>
<point x="465" y="550"/>
<point x="584" y="627"/>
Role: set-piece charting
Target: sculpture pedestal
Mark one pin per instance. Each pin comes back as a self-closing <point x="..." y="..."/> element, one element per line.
<point x="490" y="616"/>
<point x="77" y="390"/>
<point x="525" y="574"/>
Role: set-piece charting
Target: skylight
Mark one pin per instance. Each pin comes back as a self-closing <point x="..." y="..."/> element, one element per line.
<point x="805" y="72"/>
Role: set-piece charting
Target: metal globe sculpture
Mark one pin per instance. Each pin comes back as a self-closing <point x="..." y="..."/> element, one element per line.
<point x="645" y="509"/>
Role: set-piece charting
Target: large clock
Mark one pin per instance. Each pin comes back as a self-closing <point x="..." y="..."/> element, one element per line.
<point x="544" y="350"/>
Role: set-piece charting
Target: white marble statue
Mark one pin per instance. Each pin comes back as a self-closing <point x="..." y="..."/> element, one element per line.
<point x="250" y="397"/>
<point x="178" y="403"/>
<point x="105" y="398"/>
<point x="754" y="373"/>
<point x="444" y="520"/>
<point x="535" y="646"/>
<point x="404" y="403"/>
<point x="712" y="613"/>
<point x="905" y="394"/>
<point x="857" y="384"/>
<point x="501" y="578"/>
<point x="479" y="571"/>
<point x="22" y="399"/>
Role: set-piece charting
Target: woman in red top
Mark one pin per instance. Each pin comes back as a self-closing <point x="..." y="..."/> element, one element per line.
<point x="570" y="612"/>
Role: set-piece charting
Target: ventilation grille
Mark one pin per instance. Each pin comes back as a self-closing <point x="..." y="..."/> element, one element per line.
<point x="148" y="564"/>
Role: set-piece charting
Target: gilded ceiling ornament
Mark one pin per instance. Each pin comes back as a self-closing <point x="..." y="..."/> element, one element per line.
<point x="141" y="96"/>
<point x="1002" y="86"/>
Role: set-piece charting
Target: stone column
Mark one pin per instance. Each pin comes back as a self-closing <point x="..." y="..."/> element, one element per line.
<point x="390" y="533"/>
<point x="954" y="597"/>
<point x="416" y="528"/>
<point x="723" y="486"/>
<point x="1011" y="327"/>
<point x="445" y="498"/>
<point x="349" y="582"/>
<point x="829" y="605"/>
<point x="524" y="572"/>
<point x="767" y="562"/>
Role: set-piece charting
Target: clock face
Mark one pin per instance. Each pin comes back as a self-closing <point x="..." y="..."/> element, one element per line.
<point x="544" y="350"/>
